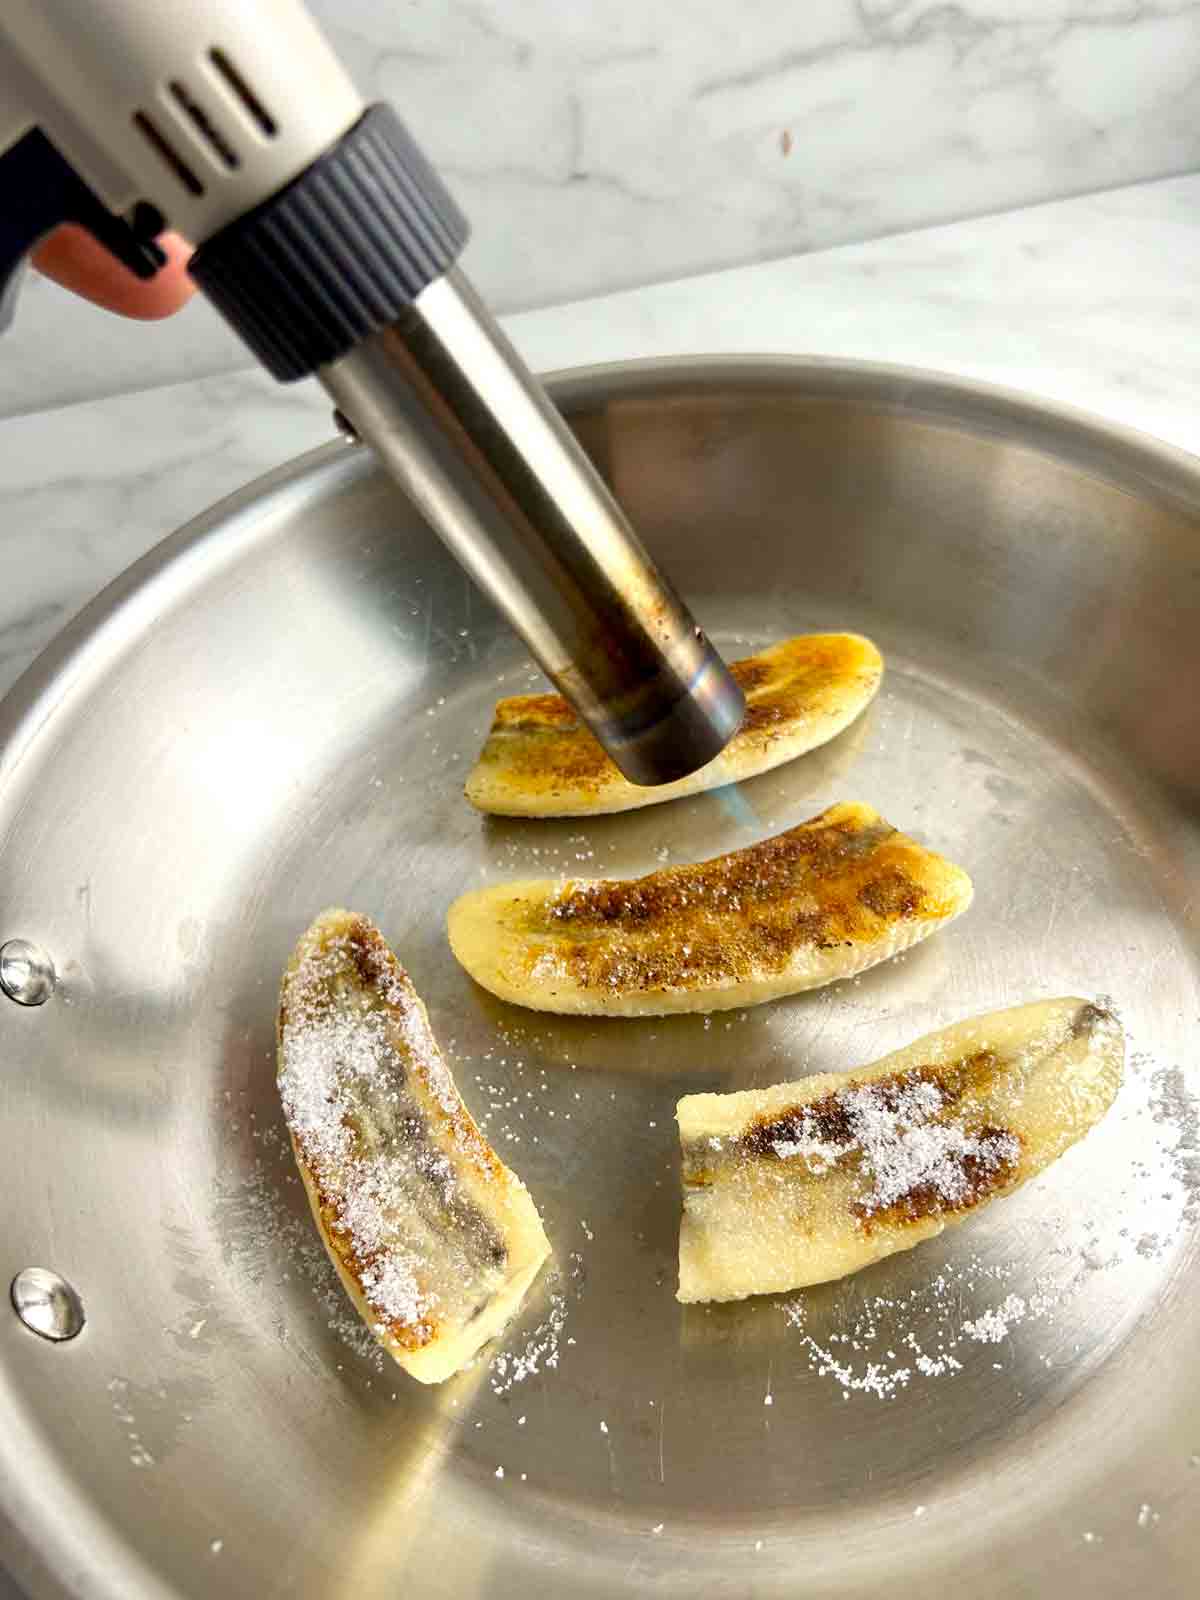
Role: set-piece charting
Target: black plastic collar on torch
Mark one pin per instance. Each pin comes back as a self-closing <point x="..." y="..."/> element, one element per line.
<point x="338" y="253"/>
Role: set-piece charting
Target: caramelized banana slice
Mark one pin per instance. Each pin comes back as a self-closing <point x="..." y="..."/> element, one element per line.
<point x="540" y="760"/>
<point x="809" y="1181"/>
<point x="823" y="901"/>
<point x="435" y="1240"/>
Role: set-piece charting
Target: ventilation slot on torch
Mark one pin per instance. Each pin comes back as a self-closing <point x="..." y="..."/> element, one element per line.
<point x="242" y="91"/>
<point x="167" y="152"/>
<point x="204" y="125"/>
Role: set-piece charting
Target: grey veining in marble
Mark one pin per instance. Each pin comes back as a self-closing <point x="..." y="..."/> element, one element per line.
<point x="607" y="145"/>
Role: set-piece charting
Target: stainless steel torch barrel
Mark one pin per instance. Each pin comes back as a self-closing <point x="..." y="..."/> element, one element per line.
<point x="445" y="402"/>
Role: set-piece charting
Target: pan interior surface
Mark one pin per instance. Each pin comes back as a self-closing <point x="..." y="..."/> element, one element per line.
<point x="276" y="713"/>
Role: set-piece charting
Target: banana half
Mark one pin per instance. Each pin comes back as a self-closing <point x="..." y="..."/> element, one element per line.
<point x="809" y="1181"/>
<point x="540" y="760"/>
<point x="820" y="902"/>
<point x="435" y="1240"/>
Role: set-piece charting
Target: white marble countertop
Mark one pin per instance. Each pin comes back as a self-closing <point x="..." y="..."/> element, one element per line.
<point x="1094" y="301"/>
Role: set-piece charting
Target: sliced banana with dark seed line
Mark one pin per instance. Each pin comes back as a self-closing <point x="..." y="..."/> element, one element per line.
<point x="820" y="902"/>
<point x="804" y="1182"/>
<point x="541" y="761"/>
<point x="434" y="1239"/>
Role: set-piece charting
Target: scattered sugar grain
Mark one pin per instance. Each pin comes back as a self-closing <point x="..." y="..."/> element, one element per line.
<point x="540" y="1351"/>
<point x="994" y="1325"/>
<point x="933" y="1330"/>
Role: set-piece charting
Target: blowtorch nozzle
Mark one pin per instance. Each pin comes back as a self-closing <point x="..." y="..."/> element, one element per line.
<point x="448" y="407"/>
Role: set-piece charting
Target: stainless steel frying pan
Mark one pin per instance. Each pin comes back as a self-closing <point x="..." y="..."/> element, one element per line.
<point x="275" y="711"/>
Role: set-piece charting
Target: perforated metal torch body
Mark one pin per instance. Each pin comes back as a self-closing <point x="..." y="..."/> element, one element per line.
<point x="330" y="245"/>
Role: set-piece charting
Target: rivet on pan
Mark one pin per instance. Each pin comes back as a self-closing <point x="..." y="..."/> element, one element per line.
<point x="47" y="1304"/>
<point x="26" y="972"/>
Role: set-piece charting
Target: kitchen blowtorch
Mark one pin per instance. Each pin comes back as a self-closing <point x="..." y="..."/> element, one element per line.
<point x="327" y="241"/>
